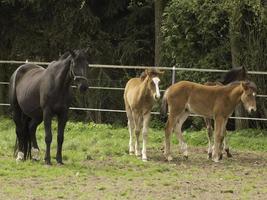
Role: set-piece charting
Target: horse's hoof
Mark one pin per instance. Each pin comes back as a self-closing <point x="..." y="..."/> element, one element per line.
<point x="60" y="163"/>
<point x="185" y="154"/>
<point x="138" y="154"/>
<point x="169" y="158"/>
<point x="131" y="153"/>
<point x="144" y="159"/>
<point x="20" y="157"/>
<point x="19" y="160"/>
<point x="216" y="160"/>
<point x="186" y="157"/>
<point x="229" y="155"/>
<point x="209" y="156"/>
<point x="35" y="154"/>
<point x="48" y="163"/>
<point x="35" y="159"/>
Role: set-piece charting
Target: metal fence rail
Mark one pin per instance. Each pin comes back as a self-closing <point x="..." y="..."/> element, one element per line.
<point x="173" y="69"/>
<point x="154" y="113"/>
<point x="118" y="88"/>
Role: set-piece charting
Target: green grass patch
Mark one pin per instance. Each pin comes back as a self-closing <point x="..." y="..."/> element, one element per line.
<point x="96" y="158"/>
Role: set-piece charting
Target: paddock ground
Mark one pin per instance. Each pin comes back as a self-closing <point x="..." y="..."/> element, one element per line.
<point x="97" y="166"/>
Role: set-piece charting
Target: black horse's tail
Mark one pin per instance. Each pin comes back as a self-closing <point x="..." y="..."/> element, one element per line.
<point x="164" y="107"/>
<point x="25" y="139"/>
<point x="20" y="119"/>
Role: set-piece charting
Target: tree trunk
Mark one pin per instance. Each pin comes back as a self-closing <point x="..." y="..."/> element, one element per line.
<point x="158" y="37"/>
<point x="2" y="87"/>
<point x="236" y="61"/>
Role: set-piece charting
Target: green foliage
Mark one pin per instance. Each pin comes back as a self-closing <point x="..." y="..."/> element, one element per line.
<point x="217" y="35"/>
<point x="116" y="32"/>
<point x="196" y="35"/>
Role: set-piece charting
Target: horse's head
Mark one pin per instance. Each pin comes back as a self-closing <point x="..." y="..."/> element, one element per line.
<point x="152" y="76"/>
<point x="249" y="96"/>
<point x="78" y="69"/>
<point x="235" y="74"/>
<point x="241" y="74"/>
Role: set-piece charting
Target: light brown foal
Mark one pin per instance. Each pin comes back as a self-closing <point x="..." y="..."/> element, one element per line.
<point x="208" y="123"/>
<point x="139" y="97"/>
<point x="216" y="102"/>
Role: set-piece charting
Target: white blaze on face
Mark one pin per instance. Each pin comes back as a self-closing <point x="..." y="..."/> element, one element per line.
<point x="156" y="81"/>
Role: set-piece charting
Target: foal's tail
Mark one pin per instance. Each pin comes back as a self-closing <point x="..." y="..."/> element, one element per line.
<point x="164" y="107"/>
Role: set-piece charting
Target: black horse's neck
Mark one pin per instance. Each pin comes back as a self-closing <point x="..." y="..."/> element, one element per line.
<point x="63" y="75"/>
<point x="236" y="74"/>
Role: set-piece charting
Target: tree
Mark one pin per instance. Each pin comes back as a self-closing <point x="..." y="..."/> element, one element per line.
<point x="236" y="48"/>
<point x="158" y="35"/>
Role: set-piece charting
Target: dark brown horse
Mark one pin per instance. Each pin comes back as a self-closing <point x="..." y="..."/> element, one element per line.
<point x="37" y="94"/>
<point x="235" y="74"/>
<point x="216" y="102"/>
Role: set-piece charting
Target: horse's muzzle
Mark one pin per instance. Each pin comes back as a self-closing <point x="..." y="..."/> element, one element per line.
<point x="82" y="87"/>
<point x="156" y="97"/>
<point x="252" y="109"/>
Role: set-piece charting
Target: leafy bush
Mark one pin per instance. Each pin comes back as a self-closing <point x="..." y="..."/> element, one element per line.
<point x="196" y="35"/>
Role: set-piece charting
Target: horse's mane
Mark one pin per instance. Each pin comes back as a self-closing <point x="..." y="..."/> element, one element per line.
<point x="250" y="84"/>
<point x="232" y="75"/>
<point x="143" y="75"/>
<point x="79" y="54"/>
<point x="64" y="56"/>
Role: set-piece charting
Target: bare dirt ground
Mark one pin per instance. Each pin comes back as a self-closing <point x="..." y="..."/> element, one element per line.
<point x="242" y="177"/>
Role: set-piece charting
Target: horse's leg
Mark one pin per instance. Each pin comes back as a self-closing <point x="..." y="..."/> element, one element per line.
<point x="146" y="119"/>
<point x="18" y="149"/>
<point x="131" y="130"/>
<point x="137" y="129"/>
<point x="210" y="134"/>
<point x="32" y="130"/>
<point x="62" y="120"/>
<point x="168" y="131"/>
<point x="179" y="134"/>
<point x="225" y="144"/>
<point x="47" y="117"/>
<point x="218" y="138"/>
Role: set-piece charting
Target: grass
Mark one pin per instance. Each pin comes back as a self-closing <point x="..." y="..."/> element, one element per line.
<point x="97" y="166"/>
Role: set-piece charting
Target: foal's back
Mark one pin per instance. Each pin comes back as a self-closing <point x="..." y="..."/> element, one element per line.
<point x="189" y="91"/>
<point x="196" y="98"/>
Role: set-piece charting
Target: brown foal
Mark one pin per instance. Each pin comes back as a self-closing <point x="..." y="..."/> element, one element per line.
<point x="213" y="102"/>
<point x="139" y="97"/>
<point x="235" y="74"/>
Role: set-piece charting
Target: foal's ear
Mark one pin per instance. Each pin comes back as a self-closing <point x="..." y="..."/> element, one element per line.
<point x="160" y="72"/>
<point x="143" y="75"/>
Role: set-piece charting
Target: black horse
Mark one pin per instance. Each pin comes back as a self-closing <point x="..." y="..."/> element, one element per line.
<point x="37" y="94"/>
<point x="235" y="74"/>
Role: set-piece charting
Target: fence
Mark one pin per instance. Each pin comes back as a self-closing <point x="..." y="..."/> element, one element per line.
<point x="173" y="69"/>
